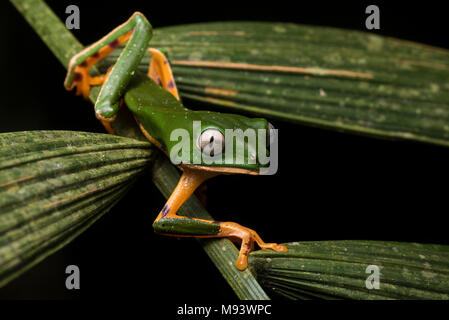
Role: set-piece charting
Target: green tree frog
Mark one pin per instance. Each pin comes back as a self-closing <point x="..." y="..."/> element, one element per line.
<point x="154" y="101"/>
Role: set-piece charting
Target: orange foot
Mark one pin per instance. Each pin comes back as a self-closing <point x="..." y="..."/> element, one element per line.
<point x="248" y="237"/>
<point x="83" y="80"/>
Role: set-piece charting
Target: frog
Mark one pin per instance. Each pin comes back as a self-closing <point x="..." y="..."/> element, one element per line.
<point x="154" y="101"/>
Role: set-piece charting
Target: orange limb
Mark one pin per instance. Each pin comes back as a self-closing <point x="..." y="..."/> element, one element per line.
<point x="161" y="73"/>
<point x="95" y="81"/>
<point x="98" y="80"/>
<point x="83" y="79"/>
<point x="190" y="180"/>
<point x="247" y="237"/>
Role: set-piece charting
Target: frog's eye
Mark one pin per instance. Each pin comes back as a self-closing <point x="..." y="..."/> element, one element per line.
<point x="211" y="142"/>
<point x="270" y="135"/>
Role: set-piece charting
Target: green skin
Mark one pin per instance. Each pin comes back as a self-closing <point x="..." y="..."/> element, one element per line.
<point x="159" y="112"/>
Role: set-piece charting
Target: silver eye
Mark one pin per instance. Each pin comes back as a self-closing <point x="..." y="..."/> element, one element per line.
<point x="211" y="142"/>
<point x="270" y="135"/>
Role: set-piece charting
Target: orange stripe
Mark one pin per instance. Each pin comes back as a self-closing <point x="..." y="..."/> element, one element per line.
<point x="223" y="92"/>
<point x="70" y="198"/>
<point x="212" y="33"/>
<point x="246" y="66"/>
<point x="16" y="180"/>
<point x="106" y="50"/>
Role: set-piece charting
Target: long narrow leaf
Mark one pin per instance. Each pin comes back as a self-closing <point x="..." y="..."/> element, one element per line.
<point x="333" y="78"/>
<point x="340" y="270"/>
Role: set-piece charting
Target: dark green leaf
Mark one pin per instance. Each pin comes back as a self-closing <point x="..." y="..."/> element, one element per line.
<point x="54" y="184"/>
<point x="338" y="269"/>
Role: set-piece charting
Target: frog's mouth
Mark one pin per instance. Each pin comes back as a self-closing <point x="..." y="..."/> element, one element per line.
<point x="224" y="170"/>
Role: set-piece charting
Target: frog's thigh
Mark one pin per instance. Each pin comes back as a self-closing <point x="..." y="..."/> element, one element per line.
<point x="161" y="73"/>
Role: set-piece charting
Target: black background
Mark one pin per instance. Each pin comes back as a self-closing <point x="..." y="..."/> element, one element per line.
<point x="329" y="185"/>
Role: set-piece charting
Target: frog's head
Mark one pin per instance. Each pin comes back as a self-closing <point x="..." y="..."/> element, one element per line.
<point x="222" y="143"/>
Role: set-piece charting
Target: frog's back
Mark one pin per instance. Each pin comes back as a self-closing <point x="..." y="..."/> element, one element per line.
<point x="144" y="92"/>
<point x="156" y="109"/>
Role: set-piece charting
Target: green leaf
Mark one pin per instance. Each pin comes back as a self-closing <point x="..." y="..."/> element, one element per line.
<point x="55" y="184"/>
<point x="319" y="76"/>
<point x="338" y="270"/>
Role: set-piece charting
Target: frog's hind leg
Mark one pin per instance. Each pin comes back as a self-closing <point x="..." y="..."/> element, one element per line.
<point x="82" y="79"/>
<point x="161" y="73"/>
<point x="169" y="223"/>
<point x="137" y="32"/>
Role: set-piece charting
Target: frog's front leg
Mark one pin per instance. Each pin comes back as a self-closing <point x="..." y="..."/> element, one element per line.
<point x="169" y="223"/>
<point x="137" y="32"/>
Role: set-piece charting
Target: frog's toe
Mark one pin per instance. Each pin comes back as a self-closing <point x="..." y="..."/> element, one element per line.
<point x="81" y="80"/>
<point x="242" y="262"/>
<point x="273" y="246"/>
<point x="248" y="237"/>
<point x="280" y="248"/>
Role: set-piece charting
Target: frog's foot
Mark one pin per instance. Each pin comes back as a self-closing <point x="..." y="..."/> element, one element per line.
<point x="248" y="237"/>
<point x="179" y="226"/>
<point x="78" y="70"/>
<point x="83" y="80"/>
